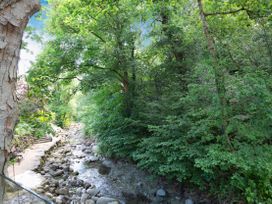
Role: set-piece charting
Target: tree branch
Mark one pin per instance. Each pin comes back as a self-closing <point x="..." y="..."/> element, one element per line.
<point x="103" y="68"/>
<point x="226" y="12"/>
<point x="98" y="36"/>
<point x="68" y="78"/>
<point x="76" y="31"/>
<point x="250" y="13"/>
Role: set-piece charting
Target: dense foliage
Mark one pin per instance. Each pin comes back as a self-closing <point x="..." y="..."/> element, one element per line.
<point x="181" y="87"/>
<point x="34" y="117"/>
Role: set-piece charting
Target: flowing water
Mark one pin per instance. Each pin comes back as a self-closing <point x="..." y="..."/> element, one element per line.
<point x="76" y="159"/>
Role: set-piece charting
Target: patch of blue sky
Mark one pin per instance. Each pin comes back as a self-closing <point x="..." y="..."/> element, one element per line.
<point x="37" y="21"/>
<point x="33" y="47"/>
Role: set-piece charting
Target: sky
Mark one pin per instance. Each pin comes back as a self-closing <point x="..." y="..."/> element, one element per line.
<point x="33" y="47"/>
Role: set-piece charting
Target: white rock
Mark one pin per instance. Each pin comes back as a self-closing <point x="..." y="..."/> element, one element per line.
<point x="89" y="201"/>
<point x="161" y="193"/>
<point x="92" y="191"/>
<point x="59" y="200"/>
<point x="189" y="201"/>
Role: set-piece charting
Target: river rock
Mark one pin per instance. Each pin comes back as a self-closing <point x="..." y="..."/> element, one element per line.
<point x="84" y="197"/>
<point x="176" y="200"/>
<point x="64" y="161"/>
<point x="95" y="198"/>
<point x="50" y="161"/>
<point x="59" y="199"/>
<point x="139" y="187"/>
<point x="87" y="185"/>
<point x="95" y="149"/>
<point x="46" y="188"/>
<point x="75" y="197"/>
<point x="108" y="163"/>
<point x="91" y="159"/>
<point x="54" y="167"/>
<point x="68" y="154"/>
<point x="189" y="201"/>
<point x="92" y="191"/>
<point x="49" y="195"/>
<point x="161" y="193"/>
<point x="89" y="201"/>
<point x="105" y="200"/>
<point x="87" y="150"/>
<point x="63" y="191"/>
<point x="54" y="183"/>
<point x="75" y="173"/>
<point x="47" y="176"/>
<point x="56" y="173"/>
<point x="46" y="169"/>
<point x="104" y="170"/>
<point x="60" y="182"/>
<point x="81" y="182"/>
<point x="46" y="182"/>
<point x="65" y="177"/>
<point x="89" y="143"/>
<point x="52" y="190"/>
<point x="79" y="191"/>
<point x="40" y="190"/>
<point x="66" y="150"/>
<point x="72" y="182"/>
<point x="65" y="167"/>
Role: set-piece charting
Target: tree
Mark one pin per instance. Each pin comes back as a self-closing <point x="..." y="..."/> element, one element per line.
<point x="218" y="72"/>
<point x="14" y="16"/>
<point x="153" y="91"/>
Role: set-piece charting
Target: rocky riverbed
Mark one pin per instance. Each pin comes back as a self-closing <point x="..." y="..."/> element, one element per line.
<point x="75" y="173"/>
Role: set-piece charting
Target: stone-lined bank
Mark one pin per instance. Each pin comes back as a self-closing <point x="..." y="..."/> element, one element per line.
<point x="75" y="173"/>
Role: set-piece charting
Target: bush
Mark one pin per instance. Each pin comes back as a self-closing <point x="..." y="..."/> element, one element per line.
<point x="191" y="149"/>
<point x="34" y="120"/>
<point x="101" y="112"/>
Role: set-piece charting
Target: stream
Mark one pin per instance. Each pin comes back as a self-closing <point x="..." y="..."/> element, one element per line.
<point x="73" y="172"/>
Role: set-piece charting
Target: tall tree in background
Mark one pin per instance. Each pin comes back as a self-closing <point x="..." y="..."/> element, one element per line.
<point x="14" y="16"/>
<point x="218" y="72"/>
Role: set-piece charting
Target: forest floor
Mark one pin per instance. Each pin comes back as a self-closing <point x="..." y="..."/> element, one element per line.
<point x="74" y="172"/>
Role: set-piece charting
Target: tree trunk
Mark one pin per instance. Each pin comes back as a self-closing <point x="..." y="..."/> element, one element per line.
<point x="176" y="44"/>
<point x="14" y="16"/>
<point x="218" y="72"/>
<point x="127" y="94"/>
